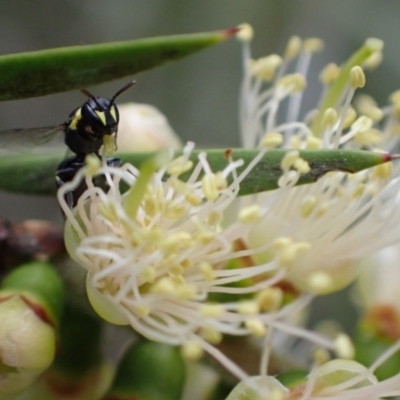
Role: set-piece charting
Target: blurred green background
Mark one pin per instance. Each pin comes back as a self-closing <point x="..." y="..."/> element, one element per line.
<point x="199" y="94"/>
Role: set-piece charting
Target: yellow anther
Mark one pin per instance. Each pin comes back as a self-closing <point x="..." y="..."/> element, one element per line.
<point x="293" y="47"/>
<point x="176" y="269"/>
<point x="211" y="310"/>
<point x="313" y="45"/>
<point x="358" y="191"/>
<point x="93" y="164"/>
<point x="289" y="159"/>
<point x="307" y="206"/>
<point x="395" y="97"/>
<point x="295" y="142"/>
<point x="185" y="292"/>
<point x="287" y="255"/>
<point x="246" y="33"/>
<point x="374" y="44"/>
<point x="313" y="142"/>
<point x="108" y="211"/>
<point x="321" y="356"/>
<point x="344" y="346"/>
<point x="250" y="214"/>
<point x="153" y="235"/>
<point x="186" y="263"/>
<point x="320" y="282"/>
<point x="211" y="335"/>
<point x="350" y="117"/>
<point x="292" y="82"/>
<point x="248" y="307"/>
<point x="368" y="138"/>
<point x="192" y="350"/>
<point x="165" y="286"/>
<point x="302" y="246"/>
<point x="329" y="74"/>
<point x="272" y="140"/>
<point x="214" y="218"/>
<point x="302" y="166"/>
<point x="383" y="171"/>
<point x="205" y="237"/>
<point x="374" y="60"/>
<point x="209" y="186"/>
<point x="150" y="206"/>
<point x="330" y="118"/>
<point x="179" y="280"/>
<point x="282" y="242"/>
<point x="176" y="211"/>
<point x="148" y="274"/>
<point x="265" y="67"/>
<point x="179" y="166"/>
<point x="192" y="199"/>
<point x="176" y="241"/>
<point x="141" y="310"/>
<point x="178" y="185"/>
<point x="357" y="77"/>
<point x="269" y="299"/>
<point x="207" y="271"/>
<point x="362" y="124"/>
<point x="375" y="113"/>
<point x="256" y="327"/>
<point x="366" y="105"/>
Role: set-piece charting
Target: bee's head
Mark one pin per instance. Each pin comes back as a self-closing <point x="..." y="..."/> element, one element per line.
<point x="101" y="114"/>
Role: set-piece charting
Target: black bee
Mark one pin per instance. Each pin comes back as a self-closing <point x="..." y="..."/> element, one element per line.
<point x="84" y="134"/>
<point x="84" y="131"/>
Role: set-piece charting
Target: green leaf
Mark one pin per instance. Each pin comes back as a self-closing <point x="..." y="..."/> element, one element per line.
<point x="39" y="73"/>
<point x="34" y="173"/>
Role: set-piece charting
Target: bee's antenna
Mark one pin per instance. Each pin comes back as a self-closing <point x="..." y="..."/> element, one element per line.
<point x="122" y="90"/>
<point x="88" y="94"/>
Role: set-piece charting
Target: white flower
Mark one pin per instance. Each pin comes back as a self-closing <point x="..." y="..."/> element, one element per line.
<point x="154" y="254"/>
<point x="320" y="231"/>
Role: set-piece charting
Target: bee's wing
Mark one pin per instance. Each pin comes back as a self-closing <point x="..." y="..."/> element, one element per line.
<point x="26" y="139"/>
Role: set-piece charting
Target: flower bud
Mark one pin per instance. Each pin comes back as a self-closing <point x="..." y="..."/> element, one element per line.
<point x="143" y="127"/>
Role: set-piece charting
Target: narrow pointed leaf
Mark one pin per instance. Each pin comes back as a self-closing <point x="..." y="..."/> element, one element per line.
<point x="34" y="174"/>
<point x="39" y="73"/>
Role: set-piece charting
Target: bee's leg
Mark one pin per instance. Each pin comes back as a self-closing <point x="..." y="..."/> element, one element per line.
<point x="114" y="162"/>
<point x="66" y="172"/>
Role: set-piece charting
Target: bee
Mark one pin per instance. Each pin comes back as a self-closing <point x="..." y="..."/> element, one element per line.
<point x="84" y="133"/>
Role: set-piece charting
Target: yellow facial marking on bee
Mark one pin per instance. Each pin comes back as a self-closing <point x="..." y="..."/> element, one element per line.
<point x="73" y="124"/>
<point x="113" y="113"/>
<point x="101" y="116"/>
